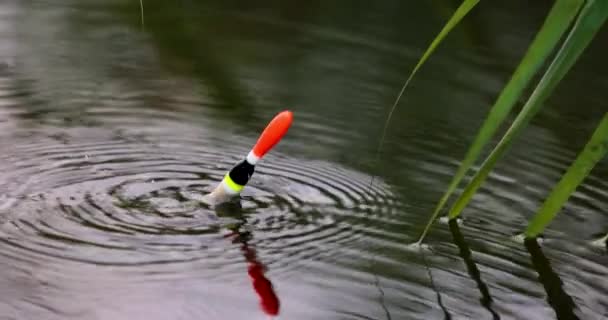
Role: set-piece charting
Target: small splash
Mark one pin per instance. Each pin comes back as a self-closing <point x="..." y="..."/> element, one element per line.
<point x="418" y="247"/>
<point x="446" y="220"/>
<point x="519" y="238"/>
<point x="600" y="243"/>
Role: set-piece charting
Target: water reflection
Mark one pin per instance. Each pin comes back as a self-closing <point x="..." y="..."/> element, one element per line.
<point x="269" y="301"/>
<point x="465" y="254"/>
<point x="559" y="300"/>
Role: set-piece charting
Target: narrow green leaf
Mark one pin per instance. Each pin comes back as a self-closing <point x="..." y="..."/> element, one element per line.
<point x="141" y="7"/>
<point x="591" y="18"/>
<point x="557" y="22"/>
<point x="460" y="13"/>
<point x="595" y="150"/>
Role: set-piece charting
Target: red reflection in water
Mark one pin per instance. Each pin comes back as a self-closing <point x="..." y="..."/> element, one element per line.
<point x="263" y="287"/>
<point x="269" y="302"/>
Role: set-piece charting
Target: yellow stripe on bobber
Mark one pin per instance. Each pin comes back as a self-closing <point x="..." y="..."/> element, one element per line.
<point x="231" y="184"/>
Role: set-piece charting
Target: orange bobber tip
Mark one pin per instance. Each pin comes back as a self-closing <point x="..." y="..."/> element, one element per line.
<point x="275" y="130"/>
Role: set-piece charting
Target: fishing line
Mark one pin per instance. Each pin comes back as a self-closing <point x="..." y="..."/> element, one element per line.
<point x="380" y="290"/>
<point x="446" y="314"/>
<point x="371" y="184"/>
<point x="386" y="125"/>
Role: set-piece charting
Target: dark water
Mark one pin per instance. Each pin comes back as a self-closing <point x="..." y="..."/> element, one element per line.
<point x="111" y="131"/>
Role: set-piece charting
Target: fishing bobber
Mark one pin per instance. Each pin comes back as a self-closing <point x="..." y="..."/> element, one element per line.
<point x="236" y="179"/>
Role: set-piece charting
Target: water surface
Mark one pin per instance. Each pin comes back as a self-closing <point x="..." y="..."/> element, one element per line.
<point x="111" y="131"/>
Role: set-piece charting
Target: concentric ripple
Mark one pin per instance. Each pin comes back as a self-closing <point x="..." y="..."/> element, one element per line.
<point x="105" y="197"/>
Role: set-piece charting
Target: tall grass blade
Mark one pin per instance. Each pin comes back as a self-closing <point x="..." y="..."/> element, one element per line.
<point x="593" y="152"/>
<point x="460" y="13"/>
<point x="592" y="17"/>
<point x="141" y="8"/>
<point x="557" y="22"/>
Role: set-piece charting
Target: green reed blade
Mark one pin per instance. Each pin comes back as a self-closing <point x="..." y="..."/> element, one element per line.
<point x="557" y="22"/>
<point x="141" y="7"/>
<point x="592" y="17"/>
<point x="462" y="11"/>
<point x="593" y="152"/>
